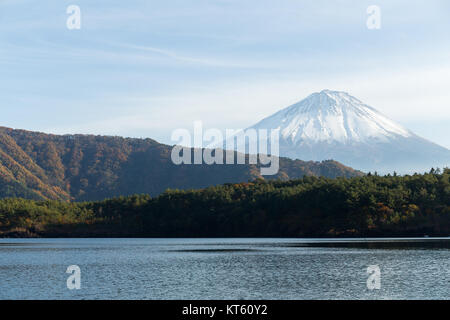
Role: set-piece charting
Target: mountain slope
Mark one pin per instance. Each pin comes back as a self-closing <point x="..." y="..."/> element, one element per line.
<point x="86" y="167"/>
<point x="335" y="125"/>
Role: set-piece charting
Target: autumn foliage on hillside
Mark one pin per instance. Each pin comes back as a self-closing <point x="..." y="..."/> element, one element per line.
<point x="86" y="167"/>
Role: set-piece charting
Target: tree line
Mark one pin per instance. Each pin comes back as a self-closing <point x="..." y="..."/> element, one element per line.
<point x="371" y="205"/>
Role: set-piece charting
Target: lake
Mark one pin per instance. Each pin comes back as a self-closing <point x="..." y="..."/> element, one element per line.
<point x="225" y="268"/>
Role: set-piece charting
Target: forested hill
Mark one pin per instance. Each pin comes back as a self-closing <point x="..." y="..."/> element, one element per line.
<point x="414" y="205"/>
<point x="86" y="167"/>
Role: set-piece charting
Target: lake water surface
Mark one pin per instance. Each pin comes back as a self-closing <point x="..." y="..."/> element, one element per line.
<point x="224" y="268"/>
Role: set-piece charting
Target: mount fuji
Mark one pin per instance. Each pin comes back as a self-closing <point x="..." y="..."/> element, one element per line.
<point x="335" y="125"/>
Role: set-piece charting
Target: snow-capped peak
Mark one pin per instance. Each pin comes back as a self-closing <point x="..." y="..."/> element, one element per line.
<point x="332" y="116"/>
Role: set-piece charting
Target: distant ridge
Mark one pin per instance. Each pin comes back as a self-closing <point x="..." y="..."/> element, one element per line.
<point x="86" y="167"/>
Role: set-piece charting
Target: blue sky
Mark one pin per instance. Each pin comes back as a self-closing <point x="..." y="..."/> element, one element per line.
<point x="145" y="68"/>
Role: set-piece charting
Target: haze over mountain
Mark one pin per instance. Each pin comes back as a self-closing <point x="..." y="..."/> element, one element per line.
<point x="86" y="167"/>
<point x="335" y="125"/>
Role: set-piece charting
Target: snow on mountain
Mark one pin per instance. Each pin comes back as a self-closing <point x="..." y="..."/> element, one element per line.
<point x="332" y="116"/>
<point x="335" y="125"/>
